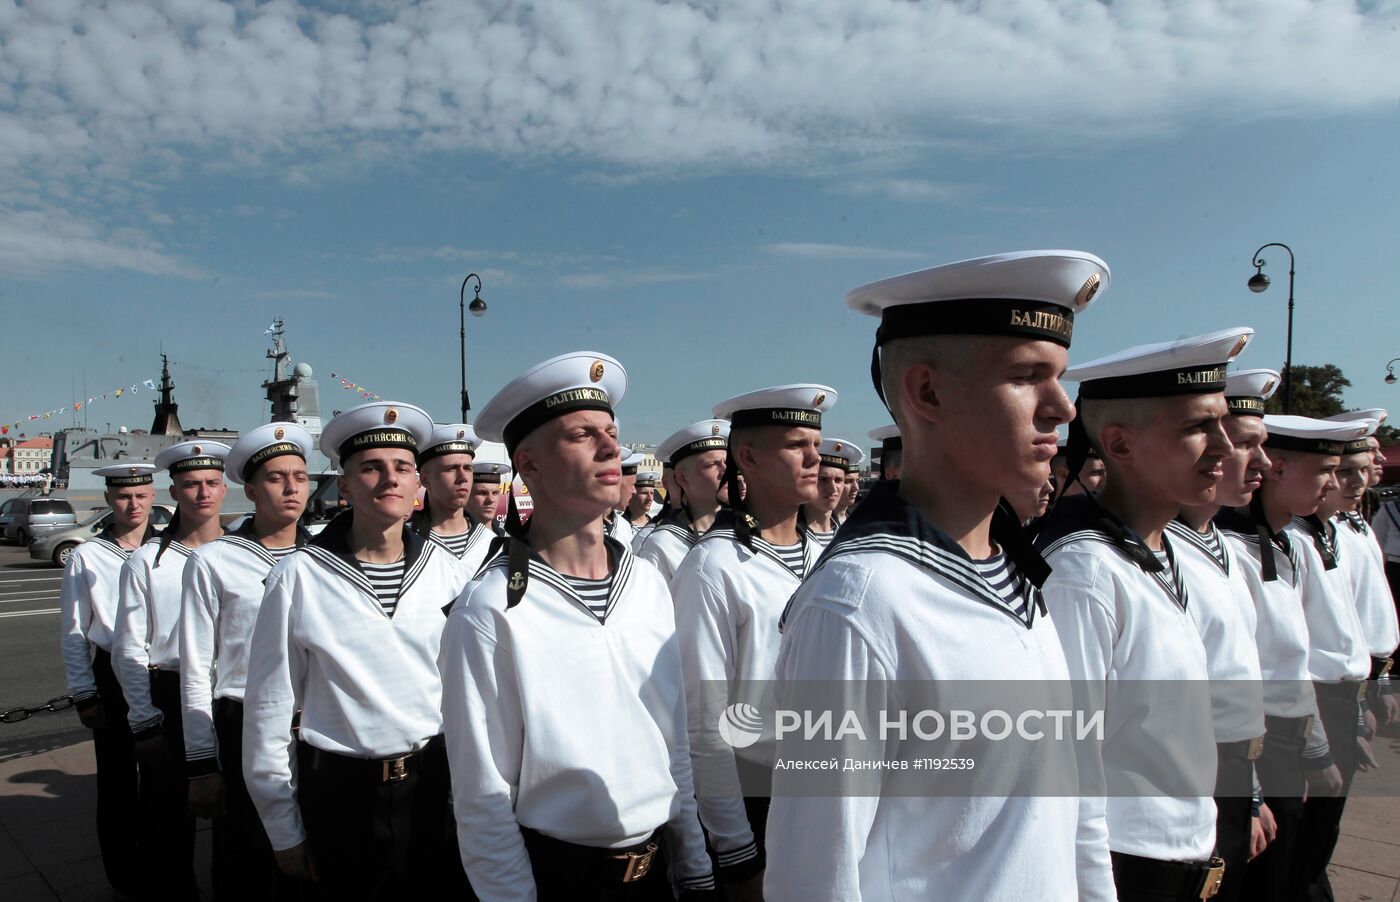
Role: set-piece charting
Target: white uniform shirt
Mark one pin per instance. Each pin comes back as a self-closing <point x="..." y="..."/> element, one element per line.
<point x="1119" y="622"/>
<point x="885" y="605"/>
<point x="616" y="526"/>
<point x="669" y="541"/>
<point x="1337" y="649"/>
<point x="87" y="608"/>
<point x="1364" y="563"/>
<point x="1223" y="611"/>
<point x="639" y="535"/>
<point x="729" y="600"/>
<point x="566" y="724"/>
<point x="367" y="684"/>
<point x="148" y="620"/>
<point x="223" y="590"/>
<point x="479" y="539"/>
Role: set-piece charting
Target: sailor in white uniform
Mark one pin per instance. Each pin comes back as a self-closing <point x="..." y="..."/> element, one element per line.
<point x="563" y="697"/>
<point x="1222" y="608"/>
<point x="837" y="456"/>
<point x="1120" y="597"/>
<point x="848" y="500"/>
<point x="1339" y="660"/>
<point x="447" y="469"/>
<point x="491" y="476"/>
<point x="223" y="589"/>
<point x="615" y="523"/>
<point x="697" y="456"/>
<point x="729" y="593"/>
<point x="891" y="450"/>
<point x="931" y="581"/>
<point x="638" y="509"/>
<point x="146" y="654"/>
<point x="87" y="605"/>
<point x="349" y="633"/>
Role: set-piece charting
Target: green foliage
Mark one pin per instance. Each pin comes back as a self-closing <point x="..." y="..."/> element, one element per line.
<point x="1317" y="392"/>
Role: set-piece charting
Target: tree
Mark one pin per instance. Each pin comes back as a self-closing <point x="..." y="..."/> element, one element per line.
<point x="1317" y="392"/>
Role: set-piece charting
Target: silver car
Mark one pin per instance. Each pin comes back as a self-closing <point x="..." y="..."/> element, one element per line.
<point x="22" y="520"/>
<point x="57" y="546"/>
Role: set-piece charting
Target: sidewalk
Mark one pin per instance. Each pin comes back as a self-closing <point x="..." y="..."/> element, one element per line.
<point x="48" y="843"/>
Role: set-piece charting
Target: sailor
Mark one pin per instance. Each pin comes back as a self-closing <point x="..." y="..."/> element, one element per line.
<point x="852" y="486"/>
<point x="1364" y="563"/>
<point x="349" y="632"/>
<point x="819" y="515"/>
<point x="615" y="523"/>
<point x="1091" y="474"/>
<point x="638" y="508"/>
<point x="146" y="655"/>
<point x="932" y="582"/>
<point x="729" y="593"/>
<point x="446" y="467"/>
<point x="1222" y="609"/>
<point x="697" y="456"/>
<point x="1120" y="597"/>
<point x="223" y="589"/>
<point x="562" y="688"/>
<point x="87" y="605"/>
<point x="1339" y="659"/>
<point x="491" y="476"/>
<point x="891" y="450"/>
<point x="1369" y="505"/>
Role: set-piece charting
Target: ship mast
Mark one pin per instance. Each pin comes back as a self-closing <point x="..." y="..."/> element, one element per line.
<point x="167" y="420"/>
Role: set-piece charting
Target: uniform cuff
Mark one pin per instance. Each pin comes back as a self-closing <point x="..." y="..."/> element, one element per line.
<point x="201" y="767"/>
<point x="1322" y="762"/>
<point x="148" y="730"/>
<point x="738" y="865"/>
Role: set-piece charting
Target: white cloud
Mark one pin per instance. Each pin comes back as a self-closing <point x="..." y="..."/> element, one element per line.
<point x="32" y="241"/>
<point x="629" y="279"/>
<point x="905" y="189"/>
<point x="812" y="250"/>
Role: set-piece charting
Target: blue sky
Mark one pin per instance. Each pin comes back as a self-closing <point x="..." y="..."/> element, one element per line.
<point x="691" y="188"/>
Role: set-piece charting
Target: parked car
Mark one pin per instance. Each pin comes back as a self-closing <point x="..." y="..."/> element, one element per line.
<point x="58" y="545"/>
<point x="24" y="519"/>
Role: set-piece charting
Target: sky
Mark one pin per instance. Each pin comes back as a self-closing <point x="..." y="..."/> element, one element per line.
<point x="691" y="187"/>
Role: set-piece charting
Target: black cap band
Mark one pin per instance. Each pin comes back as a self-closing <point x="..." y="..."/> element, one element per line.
<point x="203" y="462"/>
<point x="1310" y="445"/>
<point x="492" y="478"/>
<point x="777" y="416"/>
<point x="699" y="446"/>
<point x="1359" y="446"/>
<point x="978" y="316"/>
<point x="1245" y="406"/>
<point x="381" y="437"/>
<point x="1195" y="380"/>
<point x="832" y="460"/>
<point x="116" y="482"/>
<point x="852" y="468"/>
<point x="629" y="470"/>
<point x="445" y="448"/>
<point x="263" y="455"/>
<point x="556" y="405"/>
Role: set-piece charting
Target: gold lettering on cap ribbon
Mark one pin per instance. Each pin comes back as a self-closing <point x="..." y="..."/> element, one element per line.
<point x="576" y="394"/>
<point x="1044" y="320"/>
<point x="1201" y="377"/>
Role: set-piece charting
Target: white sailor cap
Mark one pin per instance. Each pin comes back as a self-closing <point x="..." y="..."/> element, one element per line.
<point x="648" y="479"/>
<point x="797" y="404"/>
<point x="255" y="448"/>
<point x="1366" y="413"/>
<point x="491" y="463"/>
<point x="1294" y="433"/>
<point x="697" y="438"/>
<point x="378" y="424"/>
<point x="836" y="452"/>
<point x="197" y="454"/>
<point x="631" y="460"/>
<point x="122" y="475"/>
<point x="1247" y="390"/>
<point x="452" y="438"/>
<point x="1188" y="366"/>
<point x="888" y="437"/>
<point x="582" y="380"/>
<point x="1032" y="294"/>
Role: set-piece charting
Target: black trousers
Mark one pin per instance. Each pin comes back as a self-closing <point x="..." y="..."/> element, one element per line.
<point x="1269" y="877"/>
<point x="243" y="865"/>
<point x="1144" y="880"/>
<point x="1322" y="817"/>
<point x="118" y="784"/>
<point x="377" y="840"/>
<point x="165" y="795"/>
<point x="1234" y="816"/>
<point x="563" y="873"/>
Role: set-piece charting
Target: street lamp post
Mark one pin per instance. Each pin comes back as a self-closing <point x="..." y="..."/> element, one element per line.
<point x="1259" y="282"/>
<point x="1390" y="371"/>
<point x="478" y="307"/>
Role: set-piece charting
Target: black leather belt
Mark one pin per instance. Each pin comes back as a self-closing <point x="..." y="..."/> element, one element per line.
<point x="1380" y="666"/>
<point x="1288" y="727"/>
<point x="1182" y="879"/>
<point x="626" y="865"/>
<point x="378" y="770"/>
<point x="1249" y="749"/>
<point x="1352" y="690"/>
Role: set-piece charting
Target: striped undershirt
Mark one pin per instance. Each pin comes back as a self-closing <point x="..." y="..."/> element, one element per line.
<point x="1212" y="542"/>
<point x="456" y="544"/>
<point x="386" y="579"/>
<point x="1006" y="581"/>
<point x="593" y="592"/>
<point x="279" y="553"/>
<point x="794" y="557"/>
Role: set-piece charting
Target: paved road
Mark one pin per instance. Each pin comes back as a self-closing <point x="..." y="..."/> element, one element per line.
<point x="31" y="671"/>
